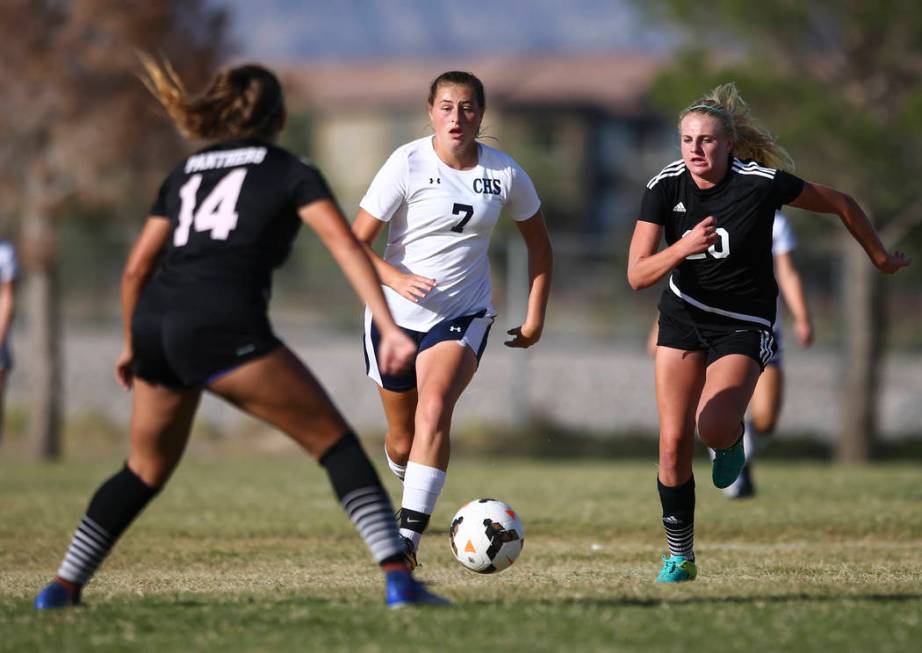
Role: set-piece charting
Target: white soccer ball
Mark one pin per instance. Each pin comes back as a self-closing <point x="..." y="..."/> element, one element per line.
<point x="486" y="536"/>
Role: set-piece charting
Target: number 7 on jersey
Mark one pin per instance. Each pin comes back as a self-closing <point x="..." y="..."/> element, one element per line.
<point x="462" y="209"/>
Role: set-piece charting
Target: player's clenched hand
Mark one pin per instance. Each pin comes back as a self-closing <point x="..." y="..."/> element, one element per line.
<point x="123" y="373"/>
<point x="412" y="286"/>
<point x="702" y="236"/>
<point x="395" y="352"/>
<point x="523" y="336"/>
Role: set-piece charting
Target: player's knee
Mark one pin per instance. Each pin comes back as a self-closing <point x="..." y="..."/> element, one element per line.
<point x="718" y="431"/>
<point x="399" y="443"/>
<point x="670" y="451"/>
<point x="432" y="414"/>
<point x="764" y="424"/>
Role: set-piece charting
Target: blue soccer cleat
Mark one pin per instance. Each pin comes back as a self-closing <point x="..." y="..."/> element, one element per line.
<point x="403" y="590"/>
<point x="56" y="595"/>
<point x="727" y="465"/>
<point x="677" y="569"/>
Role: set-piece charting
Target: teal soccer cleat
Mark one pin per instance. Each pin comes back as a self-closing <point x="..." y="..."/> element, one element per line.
<point x="677" y="569"/>
<point x="403" y="590"/>
<point x="727" y="465"/>
<point x="55" y="595"/>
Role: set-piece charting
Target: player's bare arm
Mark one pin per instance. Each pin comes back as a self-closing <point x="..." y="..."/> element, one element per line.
<point x="141" y="264"/>
<point x="331" y="227"/>
<point x="411" y="286"/>
<point x="540" y="266"/>
<point x="822" y="199"/>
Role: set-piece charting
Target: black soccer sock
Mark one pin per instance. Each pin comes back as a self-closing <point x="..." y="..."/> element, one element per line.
<point x="679" y="517"/>
<point x="112" y="509"/>
<point x="359" y="489"/>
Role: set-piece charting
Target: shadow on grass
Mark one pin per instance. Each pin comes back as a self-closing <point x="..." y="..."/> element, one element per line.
<point x="798" y="597"/>
<point x="548" y="441"/>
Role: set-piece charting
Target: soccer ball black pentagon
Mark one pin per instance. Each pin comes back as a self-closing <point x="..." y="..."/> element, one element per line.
<point x="486" y="536"/>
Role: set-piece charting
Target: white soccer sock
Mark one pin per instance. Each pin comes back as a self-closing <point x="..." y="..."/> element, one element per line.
<point x="422" y="486"/>
<point x="399" y="470"/>
<point x="750" y="438"/>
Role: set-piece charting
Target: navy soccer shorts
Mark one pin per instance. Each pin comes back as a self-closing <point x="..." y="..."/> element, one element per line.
<point x="467" y="330"/>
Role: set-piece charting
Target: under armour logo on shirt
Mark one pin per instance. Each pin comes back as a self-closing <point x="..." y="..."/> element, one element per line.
<point x="455" y="328"/>
<point x="435" y="180"/>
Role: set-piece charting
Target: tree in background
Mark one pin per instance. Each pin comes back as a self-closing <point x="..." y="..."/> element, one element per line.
<point x="81" y="133"/>
<point x="839" y="82"/>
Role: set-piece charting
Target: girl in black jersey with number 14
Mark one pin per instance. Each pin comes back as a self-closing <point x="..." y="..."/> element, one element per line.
<point x="716" y="207"/>
<point x="194" y="302"/>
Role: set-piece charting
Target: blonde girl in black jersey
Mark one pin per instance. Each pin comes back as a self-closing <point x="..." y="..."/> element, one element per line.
<point x="715" y="207"/>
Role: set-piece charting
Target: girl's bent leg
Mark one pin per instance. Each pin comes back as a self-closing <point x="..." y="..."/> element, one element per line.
<point x="160" y="423"/>
<point x="679" y="379"/>
<point x="443" y="372"/>
<point x="400" y="412"/>
<point x="279" y="389"/>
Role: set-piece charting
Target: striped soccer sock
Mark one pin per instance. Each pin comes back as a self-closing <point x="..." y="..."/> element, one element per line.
<point x="359" y="490"/>
<point x="112" y="509"/>
<point x="679" y="517"/>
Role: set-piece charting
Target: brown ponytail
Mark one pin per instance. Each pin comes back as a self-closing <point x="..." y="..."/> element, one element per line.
<point x="242" y="102"/>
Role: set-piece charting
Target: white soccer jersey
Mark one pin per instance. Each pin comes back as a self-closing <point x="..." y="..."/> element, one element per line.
<point x="8" y="267"/>
<point x="440" y="223"/>
<point x="783" y="238"/>
<point x="783" y="242"/>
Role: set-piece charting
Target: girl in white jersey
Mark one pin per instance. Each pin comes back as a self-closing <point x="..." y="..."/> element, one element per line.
<point x="8" y="273"/>
<point x="441" y="197"/>
<point x="765" y="405"/>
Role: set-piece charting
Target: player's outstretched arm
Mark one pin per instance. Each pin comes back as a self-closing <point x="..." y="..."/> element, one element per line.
<point x="540" y="267"/>
<point x="822" y="199"/>
<point x="411" y="286"/>
<point x="142" y="262"/>
<point x="396" y="350"/>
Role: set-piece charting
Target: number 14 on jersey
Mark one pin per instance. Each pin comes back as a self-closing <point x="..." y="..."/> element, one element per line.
<point x="218" y="211"/>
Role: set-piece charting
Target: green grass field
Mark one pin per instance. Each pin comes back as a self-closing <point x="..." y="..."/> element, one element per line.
<point x="252" y="554"/>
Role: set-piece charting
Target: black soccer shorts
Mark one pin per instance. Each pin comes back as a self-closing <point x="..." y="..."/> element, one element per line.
<point x="753" y="340"/>
<point x="183" y="341"/>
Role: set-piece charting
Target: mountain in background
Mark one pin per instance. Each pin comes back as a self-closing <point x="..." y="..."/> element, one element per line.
<point x="286" y="30"/>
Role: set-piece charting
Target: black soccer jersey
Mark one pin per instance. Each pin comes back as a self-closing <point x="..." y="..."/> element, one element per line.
<point x="734" y="280"/>
<point x="234" y="209"/>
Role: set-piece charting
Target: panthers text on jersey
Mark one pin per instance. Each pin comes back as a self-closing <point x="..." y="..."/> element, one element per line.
<point x="234" y="210"/>
<point x="439" y="225"/>
<point x="734" y="280"/>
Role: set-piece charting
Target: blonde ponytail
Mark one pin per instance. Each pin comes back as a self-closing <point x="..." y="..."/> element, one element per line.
<point x="750" y="139"/>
